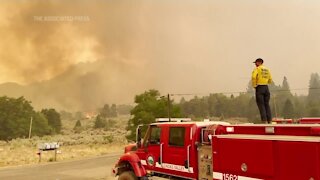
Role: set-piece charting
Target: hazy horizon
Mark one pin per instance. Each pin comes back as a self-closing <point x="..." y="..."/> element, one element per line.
<point x="175" y="46"/>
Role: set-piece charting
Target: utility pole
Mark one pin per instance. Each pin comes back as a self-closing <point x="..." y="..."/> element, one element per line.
<point x="30" y="129"/>
<point x="169" y="104"/>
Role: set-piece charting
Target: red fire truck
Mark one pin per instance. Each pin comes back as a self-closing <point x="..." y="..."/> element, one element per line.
<point x="305" y="120"/>
<point x="309" y="120"/>
<point x="220" y="151"/>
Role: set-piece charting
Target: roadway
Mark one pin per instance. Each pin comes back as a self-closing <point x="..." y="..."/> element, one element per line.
<point x="97" y="168"/>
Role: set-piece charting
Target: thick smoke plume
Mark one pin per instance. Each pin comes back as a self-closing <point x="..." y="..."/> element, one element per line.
<point x="41" y="39"/>
<point x="74" y="54"/>
<point x="81" y="54"/>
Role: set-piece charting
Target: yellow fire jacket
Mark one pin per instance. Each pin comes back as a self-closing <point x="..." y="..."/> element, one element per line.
<point x="261" y="76"/>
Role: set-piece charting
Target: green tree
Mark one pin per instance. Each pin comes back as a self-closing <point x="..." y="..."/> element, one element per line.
<point x="221" y="106"/>
<point x="288" y="110"/>
<point x="40" y="125"/>
<point x="54" y="119"/>
<point x="149" y="106"/>
<point x="299" y="105"/>
<point x="314" y="90"/>
<point x="239" y="105"/>
<point x="212" y="100"/>
<point x="285" y="92"/>
<point x="283" y="96"/>
<point x="105" y="111"/>
<point x="78" y="126"/>
<point x="285" y="84"/>
<point x="15" y="116"/>
<point x="108" y="111"/>
<point x="197" y="107"/>
<point x="252" y="112"/>
<point x="100" y="122"/>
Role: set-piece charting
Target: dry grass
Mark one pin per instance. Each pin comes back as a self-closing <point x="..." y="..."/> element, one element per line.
<point x="28" y="155"/>
<point x="88" y="143"/>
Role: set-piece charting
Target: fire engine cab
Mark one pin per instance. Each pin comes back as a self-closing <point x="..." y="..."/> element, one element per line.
<point x="220" y="151"/>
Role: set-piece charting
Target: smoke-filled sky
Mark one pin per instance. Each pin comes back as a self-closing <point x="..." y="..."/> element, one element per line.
<point x="175" y="46"/>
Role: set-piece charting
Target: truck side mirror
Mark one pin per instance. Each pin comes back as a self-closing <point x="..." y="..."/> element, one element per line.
<point x="138" y="136"/>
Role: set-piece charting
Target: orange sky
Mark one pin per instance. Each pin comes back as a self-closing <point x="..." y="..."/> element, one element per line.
<point x="176" y="46"/>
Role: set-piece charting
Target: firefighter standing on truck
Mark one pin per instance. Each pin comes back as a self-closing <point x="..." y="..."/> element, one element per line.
<point x="261" y="77"/>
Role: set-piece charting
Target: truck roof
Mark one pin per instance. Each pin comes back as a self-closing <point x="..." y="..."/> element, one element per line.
<point x="277" y="125"/>
<point x="197" y="123"/>
<point x="268" y="137"/>
<point x="206" y="123"/>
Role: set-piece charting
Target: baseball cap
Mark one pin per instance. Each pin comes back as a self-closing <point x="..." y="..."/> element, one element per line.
<point x="258" y="60"/>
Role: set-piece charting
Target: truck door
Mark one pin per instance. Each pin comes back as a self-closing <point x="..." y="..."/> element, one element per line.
<point x="152" y="147"/>
<point x="176" y="151"/>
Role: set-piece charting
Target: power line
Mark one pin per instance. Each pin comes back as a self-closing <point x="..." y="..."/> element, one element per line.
<point x="239" y="92"/>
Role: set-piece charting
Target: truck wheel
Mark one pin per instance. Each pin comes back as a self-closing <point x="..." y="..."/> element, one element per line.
<point x="127" y="175"/>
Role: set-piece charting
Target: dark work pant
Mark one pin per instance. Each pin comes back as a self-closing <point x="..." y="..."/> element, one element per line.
<point x="262" y="98"/>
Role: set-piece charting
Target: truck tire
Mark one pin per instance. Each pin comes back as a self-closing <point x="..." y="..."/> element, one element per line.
<point x="127" y="175"/>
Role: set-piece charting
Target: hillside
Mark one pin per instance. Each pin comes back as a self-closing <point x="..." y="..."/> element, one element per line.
<point x="84" y="86"/>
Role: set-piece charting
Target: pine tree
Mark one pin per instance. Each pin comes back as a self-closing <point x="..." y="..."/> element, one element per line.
<point x="77" y="127"/>
<point x="282" y="95"/>
<point x="105" y="111"/>
<point x="100" y="122"/>
<point x="113" y="111"/>
<point x="314" y="90"/>
<point x="285" y="84"/>
<point x="288" y="110"/>
<point x="285" y="89"/>
<point x="78" y="124"/>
